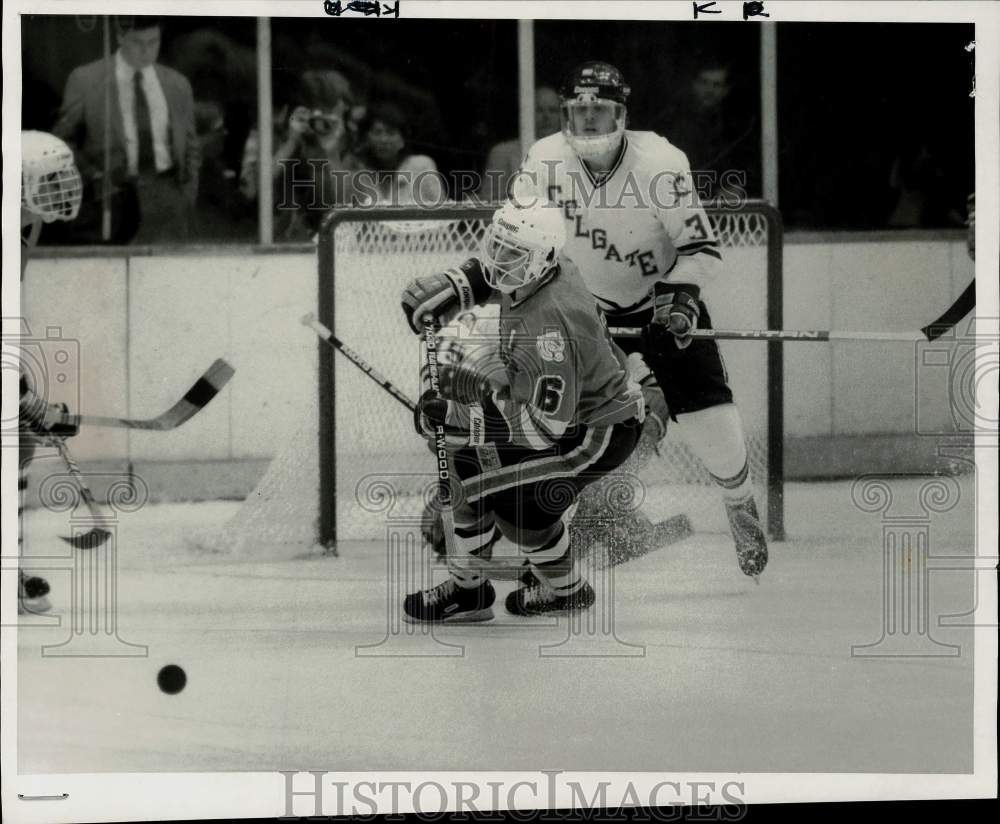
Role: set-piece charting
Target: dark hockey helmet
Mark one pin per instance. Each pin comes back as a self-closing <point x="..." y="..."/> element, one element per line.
<point x="595" y="78"/>
<point x="593" y="108"/>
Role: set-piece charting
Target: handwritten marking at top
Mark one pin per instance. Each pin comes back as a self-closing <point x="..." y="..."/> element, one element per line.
<point x="366" y="8"/>
<point x="754" y="8"/>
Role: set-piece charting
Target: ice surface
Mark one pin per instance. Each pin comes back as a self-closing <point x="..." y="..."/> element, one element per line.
<point x="734" y="677"/>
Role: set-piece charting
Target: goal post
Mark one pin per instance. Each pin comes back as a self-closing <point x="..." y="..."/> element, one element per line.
<point x="365" y="257"/>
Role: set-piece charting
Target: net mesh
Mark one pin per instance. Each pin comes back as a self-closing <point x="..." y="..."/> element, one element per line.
<point x="384" y="471"/>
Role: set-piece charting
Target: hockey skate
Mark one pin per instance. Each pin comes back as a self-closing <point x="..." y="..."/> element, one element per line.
<point x="751" y="544"/>
<point x="449" y="603"/>
<point x="540" y="599"/>
<point x="31" y="592"/>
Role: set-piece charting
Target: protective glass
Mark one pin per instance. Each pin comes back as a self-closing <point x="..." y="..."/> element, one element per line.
<point x="589" y="116"/>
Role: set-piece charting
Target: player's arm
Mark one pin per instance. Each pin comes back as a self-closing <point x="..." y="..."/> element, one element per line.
<point x="446" y="294"/>
<point x="677" y="295"/>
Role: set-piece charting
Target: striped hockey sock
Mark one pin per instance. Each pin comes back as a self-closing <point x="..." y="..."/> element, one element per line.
<point x="554" y="564"/>
<point x="737" y="488"/>
<point x="474" y="539"/>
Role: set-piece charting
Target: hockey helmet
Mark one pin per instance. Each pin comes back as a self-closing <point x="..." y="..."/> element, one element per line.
<point x="50" y="183"/>
<point x="593" y="108"/>
<point x="522" y="243"/>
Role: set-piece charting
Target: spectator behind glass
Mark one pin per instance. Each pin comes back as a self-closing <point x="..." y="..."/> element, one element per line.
<point x="387" y="173"/>
<point x="923" y="191"/>
<point x="505" y="158"/>
<point x="155" y="155"/>
<point x="311" y="159"/>
<point x="708" y="124"/>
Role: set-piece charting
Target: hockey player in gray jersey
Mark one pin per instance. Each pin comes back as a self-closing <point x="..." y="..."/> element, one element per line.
<point x="557" y="414"/>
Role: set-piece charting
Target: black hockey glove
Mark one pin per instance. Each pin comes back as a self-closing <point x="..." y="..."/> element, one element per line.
<point x="444" y="295"/>
<point x="675" y="306"/>
<point x="47" y="419"/>
<point x="431" y="413"/>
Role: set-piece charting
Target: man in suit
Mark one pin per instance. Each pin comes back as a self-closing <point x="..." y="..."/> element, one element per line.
<point x="154" y="160"/>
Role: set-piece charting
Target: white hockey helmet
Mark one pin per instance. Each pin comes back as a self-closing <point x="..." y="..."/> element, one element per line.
<point x="594" y="94"/>
<point x="522" y="243"/>
<point x="50" y="183"/>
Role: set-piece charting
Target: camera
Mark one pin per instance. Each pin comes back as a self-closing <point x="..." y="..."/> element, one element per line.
<point x="50" y="365"/>
<point x="324" y="124"/>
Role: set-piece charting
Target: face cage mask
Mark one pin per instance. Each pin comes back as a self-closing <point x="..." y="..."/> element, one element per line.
<point x="588" y="146"/>
<point x="55" y="196"/>
<point x="521" y="264"/>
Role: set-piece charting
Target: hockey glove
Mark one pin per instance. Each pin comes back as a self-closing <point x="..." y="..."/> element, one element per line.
<point x="675" y="306"/>
<point x="431" y="413"/>
<point x="458" y="376"/>
<point x="47" y="419"/>
<point x="444" y="295"/>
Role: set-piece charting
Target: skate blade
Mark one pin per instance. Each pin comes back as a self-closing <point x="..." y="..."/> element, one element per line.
<point x="474" y="617"/>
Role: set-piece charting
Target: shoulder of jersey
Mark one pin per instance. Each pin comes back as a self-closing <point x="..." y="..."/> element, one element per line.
<point x="554" y="145"/>
<point x="573" y="300"/>
<point x="654" y="147"/>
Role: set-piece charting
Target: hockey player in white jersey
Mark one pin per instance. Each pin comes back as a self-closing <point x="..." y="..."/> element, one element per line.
<point x="649" y="254"/>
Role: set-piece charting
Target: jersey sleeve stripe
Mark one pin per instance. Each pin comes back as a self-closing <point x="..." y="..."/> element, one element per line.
<point x="696" y="244"/>
<point x="533" y="435"/>
<point x="713" y="252"/>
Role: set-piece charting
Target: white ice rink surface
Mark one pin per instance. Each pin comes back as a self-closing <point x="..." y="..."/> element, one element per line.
<point x="734" y="677"/>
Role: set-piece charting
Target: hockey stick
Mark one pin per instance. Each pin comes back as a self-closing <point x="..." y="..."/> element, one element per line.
<point x="964" y="304"/>
<point x="96" y="536"/>
<point x="195" y="399"/>
<point x="442" y="456"/>
<point x="327" y="335"/>
<point x="800" y="335"/>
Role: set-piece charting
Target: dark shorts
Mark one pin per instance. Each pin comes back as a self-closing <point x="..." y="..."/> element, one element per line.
<point x="531" y="489"/>
<point x="691" y="379"/>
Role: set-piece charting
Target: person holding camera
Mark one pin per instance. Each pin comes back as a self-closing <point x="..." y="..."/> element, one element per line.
<point x="311" y="155"/>
<point x="388" y="173"/>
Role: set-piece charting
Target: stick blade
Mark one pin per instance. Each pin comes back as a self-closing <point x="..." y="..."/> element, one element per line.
<point x="196" y="398"/>
<point x="91" y="539"/>
<point x="670" y="531"/>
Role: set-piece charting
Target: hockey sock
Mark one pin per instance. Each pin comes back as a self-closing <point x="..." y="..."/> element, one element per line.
<point x="554" y="564"/>
<point x="474" y="539"/>
<point x="716" y="436"/>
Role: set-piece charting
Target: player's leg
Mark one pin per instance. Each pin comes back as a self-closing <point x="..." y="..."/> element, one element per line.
<point x="466" y="595"/>
<point x="531" y="515"/>
<point x="625" y="534"/>
<point x="696" y="388"/>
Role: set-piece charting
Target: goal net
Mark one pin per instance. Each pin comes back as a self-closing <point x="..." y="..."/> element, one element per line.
<point x="355" y="465"/>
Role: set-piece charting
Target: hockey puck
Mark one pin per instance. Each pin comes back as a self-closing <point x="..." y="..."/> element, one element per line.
<point x="171" y="679"/>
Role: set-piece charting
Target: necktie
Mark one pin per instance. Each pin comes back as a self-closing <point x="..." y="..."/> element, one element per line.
<point x="144" y="127"/>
